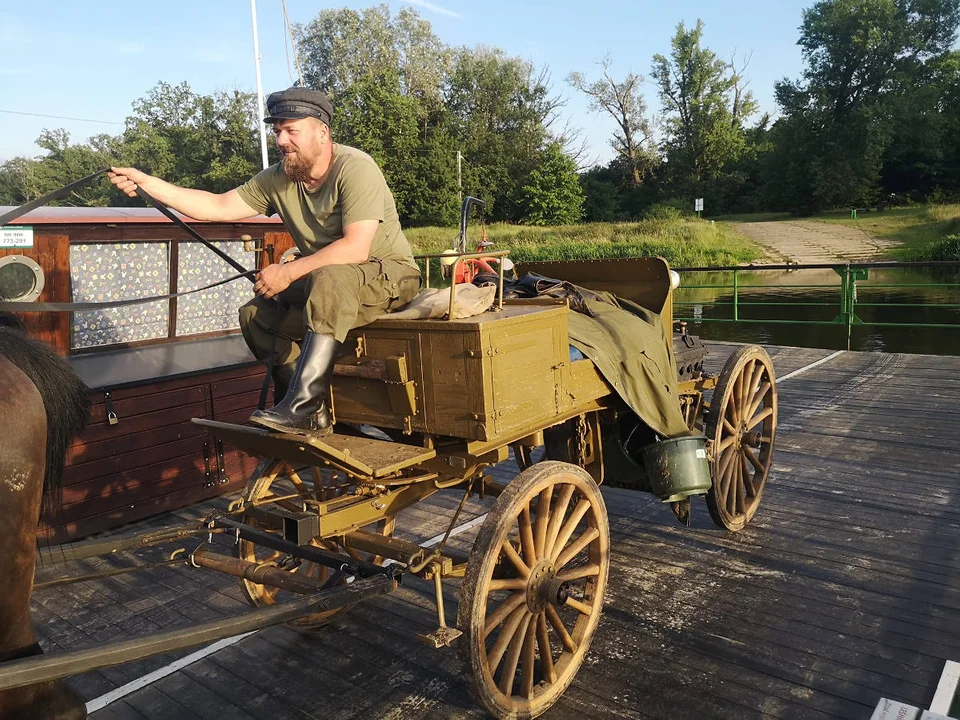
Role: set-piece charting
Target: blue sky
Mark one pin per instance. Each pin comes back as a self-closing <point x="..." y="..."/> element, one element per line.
<point x="91" y="59"/>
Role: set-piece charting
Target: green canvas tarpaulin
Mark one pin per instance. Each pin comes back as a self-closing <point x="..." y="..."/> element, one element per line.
<point x="630" y="347"/>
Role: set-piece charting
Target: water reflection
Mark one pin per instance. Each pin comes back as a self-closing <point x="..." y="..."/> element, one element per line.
<point x="898" y="308"/>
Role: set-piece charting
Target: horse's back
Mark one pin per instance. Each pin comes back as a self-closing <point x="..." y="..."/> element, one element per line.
<point x="23" y="427"/>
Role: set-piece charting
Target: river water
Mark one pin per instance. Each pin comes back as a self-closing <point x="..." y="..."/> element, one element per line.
<point x="904" y="303"/>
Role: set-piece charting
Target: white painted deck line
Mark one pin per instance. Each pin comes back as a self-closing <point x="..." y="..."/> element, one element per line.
<point x="149" y="678"/>
<point x="812" y="365"/>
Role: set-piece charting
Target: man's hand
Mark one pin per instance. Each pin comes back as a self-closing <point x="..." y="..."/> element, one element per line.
<point x="273" y="280"/>
<point x="127" y="179"/>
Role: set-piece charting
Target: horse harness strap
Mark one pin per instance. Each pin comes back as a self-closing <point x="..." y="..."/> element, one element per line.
<point x="170" y="215"/>
<point x="14" y="306"/>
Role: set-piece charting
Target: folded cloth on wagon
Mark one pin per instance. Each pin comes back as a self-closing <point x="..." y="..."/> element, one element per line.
<point x="469" y="300"/>
<point x="629" y="344"/>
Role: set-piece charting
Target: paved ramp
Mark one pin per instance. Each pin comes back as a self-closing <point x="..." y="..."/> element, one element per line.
<point x="808" y="241"/>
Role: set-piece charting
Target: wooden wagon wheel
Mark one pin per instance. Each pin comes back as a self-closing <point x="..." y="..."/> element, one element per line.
<point x="742" y="423"/>
<point x="533" y="591"/>
<point x="277" y="479"/>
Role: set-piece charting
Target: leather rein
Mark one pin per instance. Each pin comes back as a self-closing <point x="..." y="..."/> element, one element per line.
<point x="16" y="306"/>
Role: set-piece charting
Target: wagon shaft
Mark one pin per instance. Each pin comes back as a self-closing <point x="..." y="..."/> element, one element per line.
<point x="50" y="667"/>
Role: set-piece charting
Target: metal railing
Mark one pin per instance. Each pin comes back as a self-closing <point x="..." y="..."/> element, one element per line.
<point x="851" y="296"/>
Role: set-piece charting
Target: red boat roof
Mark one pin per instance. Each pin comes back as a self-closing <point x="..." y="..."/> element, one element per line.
<point x="111" y="215"/>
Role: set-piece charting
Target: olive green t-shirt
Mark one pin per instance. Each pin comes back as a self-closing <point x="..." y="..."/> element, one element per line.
<point x="354" y="190"/>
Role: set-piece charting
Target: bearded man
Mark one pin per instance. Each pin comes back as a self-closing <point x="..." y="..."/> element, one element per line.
<point x="355" y="262"/>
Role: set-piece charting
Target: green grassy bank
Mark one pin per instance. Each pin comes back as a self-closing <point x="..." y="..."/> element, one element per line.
<point x="681" y="241"/>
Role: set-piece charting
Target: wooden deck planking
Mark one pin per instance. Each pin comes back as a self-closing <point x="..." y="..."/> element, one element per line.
<point x="842" y="589"/>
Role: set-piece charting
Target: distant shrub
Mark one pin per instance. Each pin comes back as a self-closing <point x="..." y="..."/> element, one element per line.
<point x="662" y="212"/>
<point x="946" y="249"/>
<point x="669" y="209"/>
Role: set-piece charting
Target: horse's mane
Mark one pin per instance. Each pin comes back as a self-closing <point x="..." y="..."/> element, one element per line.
<point x="64" y="396"/>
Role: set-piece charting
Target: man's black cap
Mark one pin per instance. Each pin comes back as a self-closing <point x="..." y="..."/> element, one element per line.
<point x="296" y="103"/>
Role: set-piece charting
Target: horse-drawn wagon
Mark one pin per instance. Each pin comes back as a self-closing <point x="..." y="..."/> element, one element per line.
<point x="430" y="405"/>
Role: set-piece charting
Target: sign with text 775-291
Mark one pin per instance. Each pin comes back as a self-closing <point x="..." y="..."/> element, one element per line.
<point x="16" y="236"/>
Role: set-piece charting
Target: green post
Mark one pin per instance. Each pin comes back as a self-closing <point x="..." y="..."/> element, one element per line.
<point x="848" y="296"/>
<point x="736" y="294"/>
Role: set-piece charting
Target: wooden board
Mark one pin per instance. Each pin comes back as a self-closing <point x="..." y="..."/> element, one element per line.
<point x="363" y="455"/>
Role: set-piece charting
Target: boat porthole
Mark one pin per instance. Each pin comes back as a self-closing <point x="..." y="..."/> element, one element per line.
<point x="21" y="279"/>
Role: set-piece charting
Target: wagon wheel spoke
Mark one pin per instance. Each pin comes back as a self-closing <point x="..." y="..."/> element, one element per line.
<point x="742" y="485"/>
<point x="757" y="401"/>
<point x="543" y="518"/>
<point x="568" y="643"/>
<point x="514" y="557"/>
<point x="546" y="652"/>
<point x="526" y="538"/>
<point x="505" y="608"/>
<point x="528" y="658"/>
<point x="506" y="637"/>
<point x="723" y="474"/>
<point x="754" y="460"/>
<point x="558" y="514"/>
<point x="574" y="548"/>
<point x="757" y="419"/>
<point x="584" y="571"/>
<point x="569" y="526"/>
<point x="509" y="672"/>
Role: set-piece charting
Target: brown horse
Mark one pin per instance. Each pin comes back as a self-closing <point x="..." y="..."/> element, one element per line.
<point x="43" y="405"/>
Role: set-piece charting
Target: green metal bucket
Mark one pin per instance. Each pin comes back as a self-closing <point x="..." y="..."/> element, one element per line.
<point x="677" y="468"/>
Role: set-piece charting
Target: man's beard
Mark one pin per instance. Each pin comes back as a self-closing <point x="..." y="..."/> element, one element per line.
<point x="297" y="166"/>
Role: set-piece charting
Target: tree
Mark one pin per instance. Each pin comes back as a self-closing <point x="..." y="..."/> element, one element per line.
<point x="499" y="109"/>
<point x="623" y="101"/>
<point x="865" y="58"/>
<point x="705" y="106"/>
<point x="23" y="179"/>
<point x="552" y="193"/>
<point x="197" y="141"/>
<point x="343" y="47"/>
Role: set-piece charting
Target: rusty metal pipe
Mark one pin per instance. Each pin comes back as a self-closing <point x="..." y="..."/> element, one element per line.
<point x="255" y="572"/>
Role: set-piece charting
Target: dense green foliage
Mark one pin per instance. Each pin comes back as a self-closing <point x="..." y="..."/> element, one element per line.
<point x="873" y="119"/>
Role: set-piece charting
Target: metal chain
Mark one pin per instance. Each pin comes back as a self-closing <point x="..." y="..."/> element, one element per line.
<point x="582" y="434"/>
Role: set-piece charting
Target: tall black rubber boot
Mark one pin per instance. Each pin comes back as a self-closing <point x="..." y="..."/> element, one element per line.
<point x="282" y="377"/>
<point x="305" y="408"/>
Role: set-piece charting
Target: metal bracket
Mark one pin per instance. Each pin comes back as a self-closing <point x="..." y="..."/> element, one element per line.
<point x="221" y="464"/>
<point x="112" y="418"/>
<point x="443" y="636"/>
<point x="208" y="480"/>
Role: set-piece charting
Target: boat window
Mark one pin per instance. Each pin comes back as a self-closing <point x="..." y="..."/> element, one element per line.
<point x="215" y="309"/>
<point x="101" y="272"/>
<point x="21" y="279"/>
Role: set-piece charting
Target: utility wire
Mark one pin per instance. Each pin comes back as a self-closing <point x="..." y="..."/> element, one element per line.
<point x="60" y="117"/>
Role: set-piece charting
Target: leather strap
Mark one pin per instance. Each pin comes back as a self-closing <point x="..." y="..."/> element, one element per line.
<point x="14" y="306"/>
<point x="66" y="189"/>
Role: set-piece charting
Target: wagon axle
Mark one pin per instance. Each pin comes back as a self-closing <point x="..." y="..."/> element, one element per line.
<point x="545" y="588"/>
